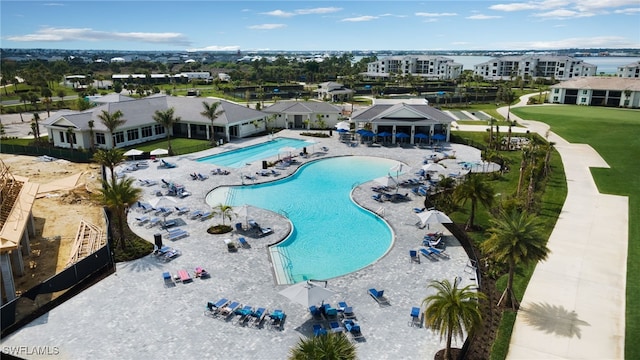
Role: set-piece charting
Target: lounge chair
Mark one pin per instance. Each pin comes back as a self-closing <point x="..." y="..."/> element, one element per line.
<point x="183" y="276"/>
<point x="196" y="214"/>
<point x="335" y="327"/>
<point x="231" y="245"/>
<point x="171" y="254"/>
<point x="319" y="330"/>
<point x="277" y="319"/>
<point x="166" y="165"/>
<point x="153" y="222"/>
<point x="377" y="197"/>
<point x="201" y="273"/>
<point x="428" y="254"/>
<point x="243" y="314"/>
<point x="347" y="311"/>
<point x="214" y="308"/>
<point x="181" y="210"/>
<point x="144" y="207"/>
<point x="161" y="251"/>
<point x="229" y="309"/>
<point x="439" y="253"/>
<point x="142" y="220"/>
<point x="378" y="296"/>
<point x="205" y="215"/>
<point x="275" y="173"/>
<point x="414" y="256"/>
<point x="258" y="316"/>
<point x="263" y="172"/>
<point x="325" y="149"/>
<point x="168" y="280"/>
<point x="415" y="317"/>
<point x="330" y="313"/>
<point x="243" y="242"/>
<point x="202" y="177"/>
<point x="177" y="234"/>
<point x="353" y="328"/>
<point x="264" y="231"/>
<point x="315" y="312"/>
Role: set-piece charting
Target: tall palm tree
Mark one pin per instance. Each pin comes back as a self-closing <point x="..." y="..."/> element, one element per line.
<point x="225" y="211"/>
<point x="36" y="120"/>
<point x="452" y="311"/>
<point x="167" y="120"/>
<point x="70" y="137"/>
<point x="326" y="347"/>
<point x="117" y="196"/>
<point x="514" y="239"/>
<point x="109" y="158"/>
<point x="92" y="140"/>
<point x="476" y="189"/>
<point x="211" y="112"/>
<point x="112" y="121"/>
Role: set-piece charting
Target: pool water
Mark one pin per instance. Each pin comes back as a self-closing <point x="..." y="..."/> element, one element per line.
<point x="240" y="157"/>
<point x="331" y="236"/>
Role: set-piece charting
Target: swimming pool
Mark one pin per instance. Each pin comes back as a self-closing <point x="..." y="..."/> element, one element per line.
<point x="240" y="157"/>
<point x="331" y="236"/>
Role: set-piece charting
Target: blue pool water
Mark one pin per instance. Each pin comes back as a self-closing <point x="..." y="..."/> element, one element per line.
<point x="239" y="157"/>
<point x="331" y="235"/>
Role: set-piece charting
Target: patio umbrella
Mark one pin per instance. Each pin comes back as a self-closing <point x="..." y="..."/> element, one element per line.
<point x="343" y="125"/>
<point x="433" y="217"/>
<point x="243" y="212"/>
<point x="384" y="134"/>
<point x="434" y="167"/>
<point x="399" y="168"/>
<point x="420" y="136"/>
<point x="439" y="137"/>
<point x="287" y="149"/>
<point x="386" y="181"/>
<point x="342" y="131"/>
<point x="157" y="152"/>
<point x="133" y="153"/>
<point x="306" y="293"/>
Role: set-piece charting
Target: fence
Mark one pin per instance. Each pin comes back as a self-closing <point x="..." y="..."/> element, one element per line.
<point x="58" y="153"/>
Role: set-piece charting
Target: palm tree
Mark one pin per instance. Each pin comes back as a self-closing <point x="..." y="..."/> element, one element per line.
<point x="91" y="125"/>
<point x="36" y="120"/>
<point x="117" y="196"/>
<point x="225" y="211"/>
<point x="452" y="311"/>
<point x="475" y="188"/>
<point x="211" y="112"/>
<point x="167" y="120"/>
<point x="326" y="347"/>
<point x="109" y="158"/>
<point x="514" y="239"/>
<point x="112" y="121"/>
<point x="70" y="137"/>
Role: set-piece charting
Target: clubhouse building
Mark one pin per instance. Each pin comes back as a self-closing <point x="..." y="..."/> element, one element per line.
<point x="597" y="91"/>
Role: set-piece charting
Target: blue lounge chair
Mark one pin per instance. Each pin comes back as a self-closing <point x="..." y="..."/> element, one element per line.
<point x="229" y="309"/>
<point x="347" y="311"/>
<point x="353" y="328"/>
<point x="377" y="197"/>
<point x="243" y="313"/>
<point x="168" y="279"/>
<point x="258" y="316"/>
<point x="265" y="231"/>
<point x="335" y="327"/>
<point x="428" y="254"/>
<point x="181" y="210"/>
<point x="142" y="220"/>
<point x="415" y="317"/>
<point x="315" y="312"/>
<point x="378" y="296"/>
<point x="277" y="319"/>
<point x="202" y="177"/>
<point x="319" y="330"/>
<point x="413" y="254"/>
<point x="205" y="215"/>
<point x="244" y="243"/>
<point x="439" y="253"/>
<point x="177" y="234"/>
<point x="196" y="214"/>
<point x="213" y="308"/>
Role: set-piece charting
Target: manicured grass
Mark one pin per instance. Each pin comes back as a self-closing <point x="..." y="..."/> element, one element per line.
<point x="180" y="146"/>
<point x="614" y="134"/>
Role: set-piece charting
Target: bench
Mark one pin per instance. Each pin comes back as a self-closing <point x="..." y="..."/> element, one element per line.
<point x="183" y="276"/>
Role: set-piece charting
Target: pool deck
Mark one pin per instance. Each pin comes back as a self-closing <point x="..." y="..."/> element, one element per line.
<point x="131" y="314"/>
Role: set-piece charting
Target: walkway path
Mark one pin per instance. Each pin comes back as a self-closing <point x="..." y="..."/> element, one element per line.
<point x="574" y="305"/>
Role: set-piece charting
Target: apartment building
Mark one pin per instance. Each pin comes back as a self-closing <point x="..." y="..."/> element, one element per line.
<point x="534" y="66"/>
<point x="629" y="71"/>
<point x="424" y="66"/>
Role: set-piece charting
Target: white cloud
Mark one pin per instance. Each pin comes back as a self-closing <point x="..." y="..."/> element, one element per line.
<point x="564" y="14"/>
<point x="279" y="13"/>
<point x="87" y="34"/>
<point x="360" y="18"/>
<point x="216" y="48"/>
<point x="267" y="26"/>
<point x="435" y="14"/>
<point x="323" y="10"/>
<point x="430" y="20"/>
<point x="513" y="7"/>
<point x="629" y="11"/>
<point x="483" y="17"/>
<point x="615" y="42"/>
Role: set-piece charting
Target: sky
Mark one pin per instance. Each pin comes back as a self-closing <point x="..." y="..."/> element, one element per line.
<point x="320" y="25"/>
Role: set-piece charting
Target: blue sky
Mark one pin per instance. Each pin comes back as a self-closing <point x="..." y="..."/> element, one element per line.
<point x="320" y="25"/>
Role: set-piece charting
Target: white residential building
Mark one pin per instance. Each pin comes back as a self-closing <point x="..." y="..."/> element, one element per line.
<point x="430" y="67"/>
<point x="597" y="91"/>
<point x="534" y="66"/>
<point x="629" y="71"/>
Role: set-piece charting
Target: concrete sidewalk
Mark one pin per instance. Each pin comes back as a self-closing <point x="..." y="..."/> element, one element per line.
<point x="574" y="305"/>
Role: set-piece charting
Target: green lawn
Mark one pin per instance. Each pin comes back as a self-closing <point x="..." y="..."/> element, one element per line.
<point x="180" y="146"/>
<point x="614" y="134"/>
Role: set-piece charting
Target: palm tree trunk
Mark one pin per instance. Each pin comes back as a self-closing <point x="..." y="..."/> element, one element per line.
<point x="471" y="216"/>
<point x="123" y="244"/>
<point x="447" y="350"/>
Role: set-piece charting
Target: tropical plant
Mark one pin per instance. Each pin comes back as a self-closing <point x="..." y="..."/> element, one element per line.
<point x="167" y="120"/>
<point x="70" y="136"/>
<point x="326" y="347"/>
<point x="112" y="121"/>
<point x="225" y="212"/>
<point x="514" y="239"/>
<point x="211" y="112"/>
<point x="92" y="141"/>
<point x="109" y="158"/>
<point x="476" y="189"/>
<point x="451" y="311"/>
<point x="36" y="120"/>
<point x="117" y="196"/>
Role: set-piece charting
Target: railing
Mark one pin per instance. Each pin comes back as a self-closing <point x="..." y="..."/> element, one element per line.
<point x="58" y="153"/>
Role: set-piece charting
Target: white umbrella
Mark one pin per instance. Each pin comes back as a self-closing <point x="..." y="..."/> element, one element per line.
<point x="287" y="149"/>
<point x="306" y="293"/>
<point x="159" y="152"/>
<point x="386" y="181"/>
<point x="434" y="167"/>
<point x="155" y="202"/>
<point x="433" y="217"/>
<point x="133" y="152"/>
<point x="399" y="168"/>
<point x="243" y="212"/>
<point x="344" y="125"/>
<point x="313" y="144"/>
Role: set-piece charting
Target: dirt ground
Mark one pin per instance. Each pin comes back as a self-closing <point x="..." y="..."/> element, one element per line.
<point x="57" y="214"/>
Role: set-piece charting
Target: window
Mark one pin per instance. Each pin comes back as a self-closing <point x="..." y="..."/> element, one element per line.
<point x="555" y="91"/>
<point x="118" y="137"/>
<point x="584" y="92"/>
<point x="583" y="100"/>
<point x="100" y="139"/>
<point x="147" y="131"/>
<point x="132" y="134"/>
<point x="159" y="129"/>
<point x="61" y="136"/>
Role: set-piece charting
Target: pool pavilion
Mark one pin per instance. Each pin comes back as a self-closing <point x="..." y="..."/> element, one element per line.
<point x="405" y="122"/>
